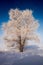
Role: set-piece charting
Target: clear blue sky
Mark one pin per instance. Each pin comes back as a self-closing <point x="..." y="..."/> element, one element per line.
<point x="35" y="5"/>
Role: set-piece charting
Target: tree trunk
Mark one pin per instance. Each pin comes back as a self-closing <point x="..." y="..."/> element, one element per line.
<point x="21" y="44"/>
<point x="21" y="48"/>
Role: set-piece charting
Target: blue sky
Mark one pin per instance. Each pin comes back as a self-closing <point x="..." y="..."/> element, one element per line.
<point x="35" y="5"/>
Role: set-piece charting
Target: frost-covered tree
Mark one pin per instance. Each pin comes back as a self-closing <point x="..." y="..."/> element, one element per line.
<point x="20" y="27"/>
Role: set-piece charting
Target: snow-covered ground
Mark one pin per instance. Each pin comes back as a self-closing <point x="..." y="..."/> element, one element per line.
<point x="11" y="58"/>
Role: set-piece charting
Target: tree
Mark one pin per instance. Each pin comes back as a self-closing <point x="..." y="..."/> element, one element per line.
<point x="21" y="26"/>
